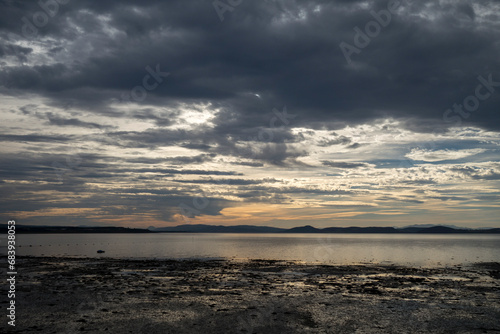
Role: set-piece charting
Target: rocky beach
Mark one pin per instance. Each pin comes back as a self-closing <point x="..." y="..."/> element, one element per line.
<point x="105" y="295"/>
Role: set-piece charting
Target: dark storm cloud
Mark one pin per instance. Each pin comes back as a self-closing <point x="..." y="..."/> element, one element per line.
<point x="191" y="160"/>
<point x="236" y="182"/>
<point x="271" y="153"/>
<point x="341" y="140"/>
<point x="418" y="182"/>
<point x="477" y="174"/>
<point x="181" y="160"/>
<point x="162" y="204"/>
<point x="216" y="141"/>
<point x="248" y="163"/>
<point x="14" y="50"/>
<point x="449" y="198"/>
<point x="426" y="59"/>
<point x="35" y="138"/>
<point x="153" y="137"/>
<point x="195" y="146"/>
<point x="283" y="193"/>
<point x="61" y="121"/>
<point x="183" y="171"/>
<point x="264" y="197"/>
<point x="340" y="164"/>
<point x="48" y="180"/>
<point x="399" y="199"/>
<point x="298" y="190"/>
<point x="51" y="168"/>
<point x="354" y="146"/>
<point x="51" y="118"/>
<point x="164" y="119"/>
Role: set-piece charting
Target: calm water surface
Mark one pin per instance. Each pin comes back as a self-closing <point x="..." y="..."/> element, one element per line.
<point x="404" y="249"/>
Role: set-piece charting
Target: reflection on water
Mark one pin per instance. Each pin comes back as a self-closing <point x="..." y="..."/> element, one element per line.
<point x="405" y="249"/>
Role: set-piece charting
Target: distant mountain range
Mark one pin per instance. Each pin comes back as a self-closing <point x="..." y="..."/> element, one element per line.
<point x="251" y="229"/>
<point x="311" y="229"/>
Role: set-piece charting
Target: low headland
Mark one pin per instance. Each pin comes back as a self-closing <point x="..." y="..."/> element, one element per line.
<point x="200" y="228"/>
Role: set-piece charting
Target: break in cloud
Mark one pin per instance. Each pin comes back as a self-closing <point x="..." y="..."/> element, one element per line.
<point x="284" y="113"/>
<point x="441" y="155"/>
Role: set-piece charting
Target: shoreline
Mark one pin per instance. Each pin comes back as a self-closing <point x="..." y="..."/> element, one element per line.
<point x="420" y="265"/>
<point x="66" y="294"/>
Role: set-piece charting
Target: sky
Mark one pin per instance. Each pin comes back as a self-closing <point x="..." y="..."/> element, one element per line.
<point x="277" y="113"/>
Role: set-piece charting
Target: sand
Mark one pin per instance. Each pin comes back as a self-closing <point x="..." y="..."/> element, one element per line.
<point x="68" y="295"/>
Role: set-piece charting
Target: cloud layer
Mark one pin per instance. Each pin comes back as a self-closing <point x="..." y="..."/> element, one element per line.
<point x="140" y="113"/>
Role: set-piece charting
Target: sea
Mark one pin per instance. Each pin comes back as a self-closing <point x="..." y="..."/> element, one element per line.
<point x="399" y="249"/>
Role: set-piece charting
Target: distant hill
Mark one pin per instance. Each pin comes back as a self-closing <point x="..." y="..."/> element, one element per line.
<point x="354" y="229"/>
<point x="200" y="228"/>
<point x="311" y="229"/>
<point x="75" y="229"/>
<point x="303" y="229"/>
<point x="219" y="229"/>
<point x="433" y="225"/>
